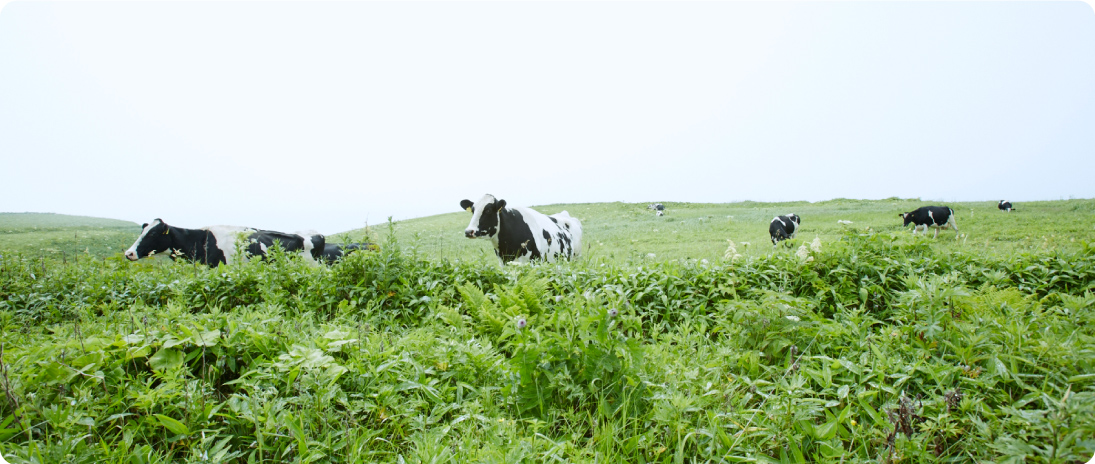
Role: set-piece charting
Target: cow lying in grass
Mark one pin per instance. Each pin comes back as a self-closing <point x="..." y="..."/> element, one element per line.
<point x="334" y="251"/>
<point x="218" y="244"/>
<point x="520" y="233"/>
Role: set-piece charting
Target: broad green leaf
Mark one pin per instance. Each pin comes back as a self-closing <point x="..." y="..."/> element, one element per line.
<point x="172" y="425"/>
<point x="166" y="359"/>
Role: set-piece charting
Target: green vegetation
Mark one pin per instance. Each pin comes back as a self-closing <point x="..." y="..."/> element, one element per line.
<point x="859" y="346"/>
<point x="617" y="232"/>
<point x="64" y="237"/>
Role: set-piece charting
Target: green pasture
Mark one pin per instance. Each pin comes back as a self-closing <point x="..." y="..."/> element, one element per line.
<point x="63" y="236"/>
<point x="617" y="232"/>
<point x="867" y="345"/>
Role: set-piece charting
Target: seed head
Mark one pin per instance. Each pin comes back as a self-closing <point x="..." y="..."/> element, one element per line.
<point x="521" y="323"/>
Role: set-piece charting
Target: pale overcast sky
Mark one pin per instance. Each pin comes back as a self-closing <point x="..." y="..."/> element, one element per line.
<point x="325" y="115"/>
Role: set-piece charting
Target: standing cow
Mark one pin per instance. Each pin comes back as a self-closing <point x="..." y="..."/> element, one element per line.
<point x="783" y="227"/>
<point x="520" y="233"/>
<point x="1005" y="205"/>
<point x="217" y="244"/>
<point x="939" y="217"/>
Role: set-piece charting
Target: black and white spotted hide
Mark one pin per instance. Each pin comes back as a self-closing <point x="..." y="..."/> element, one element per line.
<point x="939" y="217"/>
<point x="523" y="234"/>
<point x="783" y="227"/>
<point x="217" y="244"/>
<point x="1005" y="205"/>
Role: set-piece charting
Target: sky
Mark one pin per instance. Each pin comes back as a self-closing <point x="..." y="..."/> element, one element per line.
<point x="333" y="115"/>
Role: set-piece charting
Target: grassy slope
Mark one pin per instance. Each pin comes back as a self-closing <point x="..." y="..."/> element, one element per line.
<point x="616" y="232"/>
<point x="48" y="234"/>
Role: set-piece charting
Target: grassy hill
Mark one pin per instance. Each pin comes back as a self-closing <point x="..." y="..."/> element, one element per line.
<point x="618" y="232"/>
<point x="57" y="235"/>
<point x="621" y="232"/>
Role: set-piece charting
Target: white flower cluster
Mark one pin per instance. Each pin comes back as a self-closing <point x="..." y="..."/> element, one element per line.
<point x="804" y="253"/>
<point x="731" y="251"/>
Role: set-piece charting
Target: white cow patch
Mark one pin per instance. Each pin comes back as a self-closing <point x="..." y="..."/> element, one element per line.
<point x="308" y="245"/>
<point x="226" y="239"/>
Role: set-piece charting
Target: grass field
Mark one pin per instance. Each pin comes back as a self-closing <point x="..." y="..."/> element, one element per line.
<point x="617" y="232"/>
<point x="870" y="345"/>
<point x="63" y="236"/>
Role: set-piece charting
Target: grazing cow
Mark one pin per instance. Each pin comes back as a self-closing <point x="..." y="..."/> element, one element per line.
<point x="939" y="217"/>
<point x="217" y="244"/>
<point x="333" y="252"/>
<point x="521" y="233"/>
<point x="1005" y="205"/>
<point x="783" y="227"/>
<point x="659" y="209"/>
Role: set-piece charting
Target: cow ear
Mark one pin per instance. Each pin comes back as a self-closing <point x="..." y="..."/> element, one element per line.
<point x="500" y="204"/>
<point x="144" y="225"/>
<point x="466" y="205"/>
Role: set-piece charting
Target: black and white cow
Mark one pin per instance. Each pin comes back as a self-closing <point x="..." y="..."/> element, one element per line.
<point x="939" y="217"/>
<point x="1005" y="205"/>
<point x="333" y="251"/>
<point x="524" y="234"/>
<point x="217" y="244"/>
<point x="783" y="227"/>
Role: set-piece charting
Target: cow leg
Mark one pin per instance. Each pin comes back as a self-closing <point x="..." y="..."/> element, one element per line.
<point x="936" y="233"/>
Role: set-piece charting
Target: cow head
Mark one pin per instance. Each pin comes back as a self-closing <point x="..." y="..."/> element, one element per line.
<point x="908" y="217"/>
<point x="155" y="238"/>
<point x="795" y="219"/>
<point x="484" y="216"/>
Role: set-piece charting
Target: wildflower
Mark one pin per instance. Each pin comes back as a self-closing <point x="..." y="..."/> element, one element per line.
<point x="802" y="252"/>
<point x="521" y="323"/>
<point x="842" y="221"/>
<point x="613" y="312"/>
<point x="816" y="244"/>
<point x="731" y="251"/>
<point x="793" y="318"/>
<point x="854" y="423"/>
<point x="651" y="255"/>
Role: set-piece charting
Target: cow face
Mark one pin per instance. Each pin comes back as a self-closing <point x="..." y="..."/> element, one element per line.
<point x="484" y="216"/>
<point x="908" y="217"/>
<point x="154" y="238"/>
<point x="794" y="218"/>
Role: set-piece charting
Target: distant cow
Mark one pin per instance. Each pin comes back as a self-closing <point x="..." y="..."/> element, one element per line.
<point x="659" y="209"/>
<point x="521" y="233"/>
<point x="939" y="217"/>
<point x="217" y="244"/>
<point x="1005" y="205"/>
<point x="333" y="251"/>
<point x="783" y="227"/>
